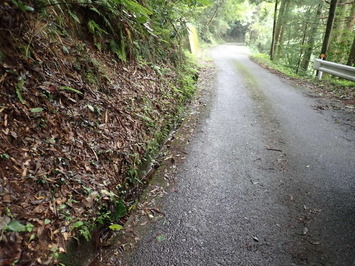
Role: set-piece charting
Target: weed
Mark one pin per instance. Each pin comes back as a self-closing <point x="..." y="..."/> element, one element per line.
<point x="4" y="156"/>
<point x="16" y="226"/>
<point x="70" y="89"/>
<point x="83" y="229"/>
<point x="19" y="88"/>
<point x="265" y="60"/>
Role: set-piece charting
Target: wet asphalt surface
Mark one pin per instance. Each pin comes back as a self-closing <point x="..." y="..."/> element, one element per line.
<point x="268" y="180"/>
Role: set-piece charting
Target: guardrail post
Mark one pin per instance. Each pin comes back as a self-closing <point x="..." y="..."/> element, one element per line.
<point x="320" y="73"/>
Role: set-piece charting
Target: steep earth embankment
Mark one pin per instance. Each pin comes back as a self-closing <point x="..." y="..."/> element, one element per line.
<point x="75" y="124"/>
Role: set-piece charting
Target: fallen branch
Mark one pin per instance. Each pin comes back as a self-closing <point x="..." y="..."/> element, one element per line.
<point x="272" y="149"/>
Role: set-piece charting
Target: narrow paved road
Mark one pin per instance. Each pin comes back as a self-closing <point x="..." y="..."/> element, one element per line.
<point x="268" y="180"/>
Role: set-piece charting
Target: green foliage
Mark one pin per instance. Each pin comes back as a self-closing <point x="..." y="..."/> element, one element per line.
<point x="115" y="227"/>
<point x="36" y="110"/>
<point x="142" y="13"/>
<point x="340" y="88"/>
<point x="74" y="16"/>
<point x="187" y="77"/>
<point x="343" y="83"/>
<point x="16" y="226"/>
<point x="70" y="89"/>
<point x="83" y="229"/>
<point x="120" y="51"/>
<point x="264" y="59"/>
<point x="130" y="28"/>
<point x="23" y="7"/>
<point x="19" y="88"/>
<point x="4" y="156"/>
<point x="95" y="28"/>
<point x="216" y="20"/>
<point x="120" y="210"/>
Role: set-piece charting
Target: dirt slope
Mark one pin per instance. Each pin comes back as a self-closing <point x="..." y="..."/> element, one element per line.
<point x="75" y="124"/>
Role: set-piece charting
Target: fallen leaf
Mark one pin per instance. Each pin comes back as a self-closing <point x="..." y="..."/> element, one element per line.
<point x="13" y="133"/>
<point x="115" y="227"/>
<point x="16" y="226"/>
<point x="161" y="238"/>
<point x="39" y="209"/>
<point x="6" y="198"/>
<point x="4" y="220"/>
<point x="36" y="110"/>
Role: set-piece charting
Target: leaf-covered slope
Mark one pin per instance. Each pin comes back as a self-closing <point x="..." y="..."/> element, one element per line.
<point x="75" y="124"/>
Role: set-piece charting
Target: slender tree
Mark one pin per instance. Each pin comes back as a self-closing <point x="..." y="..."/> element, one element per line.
<point x="342" y="36"/>
<point x="272" y="49"/>
<point x="304" y="36"/>
<point x="280" y="26"/>
<point x="351" y="60"/>
<point x="328" y="30"/>
<point x="312" y="37"/>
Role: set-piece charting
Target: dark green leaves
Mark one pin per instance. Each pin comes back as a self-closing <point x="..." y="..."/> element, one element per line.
<point x="136" y="8"/>
<point x="22" y="6"/>
<point x="16" y="226"/>
<point x="19" y="87"/>
<point x="70" y="89"/>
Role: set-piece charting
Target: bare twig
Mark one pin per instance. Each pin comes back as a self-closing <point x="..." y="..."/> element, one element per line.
<point x="272" y="149"/>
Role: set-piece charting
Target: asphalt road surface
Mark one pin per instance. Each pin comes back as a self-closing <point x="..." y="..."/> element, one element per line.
<point x="268" y="179"/>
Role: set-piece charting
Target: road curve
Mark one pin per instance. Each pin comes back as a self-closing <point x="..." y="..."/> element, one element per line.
<point x="268" y="179"/>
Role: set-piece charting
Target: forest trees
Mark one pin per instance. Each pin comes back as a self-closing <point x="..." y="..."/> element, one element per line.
<point x="224" y="18"/>
<point x="292" y="32"/>
<point x="306" y="29"/>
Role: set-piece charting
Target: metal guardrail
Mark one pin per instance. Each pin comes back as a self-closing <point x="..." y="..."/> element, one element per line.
<point x="343" y="71"/>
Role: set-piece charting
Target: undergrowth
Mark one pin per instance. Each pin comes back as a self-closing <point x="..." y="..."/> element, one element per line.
<point x="340" y="88"/>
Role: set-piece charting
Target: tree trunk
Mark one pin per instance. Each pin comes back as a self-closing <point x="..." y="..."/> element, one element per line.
<point x="340" y="39"/>
<point x="312" y="37"/>
<point x="351" y="60"/>
<point x="349" y="30"/>
<point x="351" y="20"/>
<point x="302" y="44"/>
<point x="280" y="41"/>
<point x="328" y="30"/>
<point x="272" y="49"/>
<point x="215" y="13"/>
<point x="340" y="21"/>
<point x="280" y="27"/>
